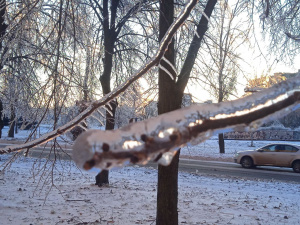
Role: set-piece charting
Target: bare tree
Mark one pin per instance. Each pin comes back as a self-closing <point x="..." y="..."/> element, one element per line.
<point x="114" y="32"/>
<point x="279" y="21"/>
<point x="219" y="62"/>
<point x="3" y="27"/>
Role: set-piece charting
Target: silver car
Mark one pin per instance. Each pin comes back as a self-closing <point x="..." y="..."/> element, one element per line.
<point x="282" y="155"/>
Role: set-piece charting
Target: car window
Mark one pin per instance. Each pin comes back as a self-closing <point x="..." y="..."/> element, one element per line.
<point x="279" y="148"/>
<point x="269" y="148"/>
<point x="289" y="148"/>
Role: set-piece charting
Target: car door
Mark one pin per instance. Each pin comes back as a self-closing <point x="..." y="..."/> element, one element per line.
<point x="285" y="155"/>
<point x="266" y="155"/>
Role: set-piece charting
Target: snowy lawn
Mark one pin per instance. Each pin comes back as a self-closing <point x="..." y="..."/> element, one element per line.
<point x="30" y="195"/>
<point x="27" y="196"/>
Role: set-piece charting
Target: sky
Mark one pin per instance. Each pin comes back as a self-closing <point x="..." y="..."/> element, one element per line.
<point x="257" y="59"/>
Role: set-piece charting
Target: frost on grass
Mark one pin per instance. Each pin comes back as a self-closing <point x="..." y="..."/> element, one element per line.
<point x="159" y="138"/>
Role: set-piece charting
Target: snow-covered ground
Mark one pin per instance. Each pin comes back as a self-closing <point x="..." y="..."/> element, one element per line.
<point x="30" y="195"/>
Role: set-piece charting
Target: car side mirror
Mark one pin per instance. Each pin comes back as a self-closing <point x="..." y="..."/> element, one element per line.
<point x="260" y="150"/>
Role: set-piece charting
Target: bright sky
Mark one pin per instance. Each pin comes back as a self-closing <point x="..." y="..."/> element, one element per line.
<point x="258" y="61"/>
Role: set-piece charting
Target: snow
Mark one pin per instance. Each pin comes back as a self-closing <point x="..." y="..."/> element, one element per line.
<point x="30" y="195"/>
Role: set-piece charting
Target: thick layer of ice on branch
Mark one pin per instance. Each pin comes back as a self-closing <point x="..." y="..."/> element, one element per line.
<point x="155" y="137"/>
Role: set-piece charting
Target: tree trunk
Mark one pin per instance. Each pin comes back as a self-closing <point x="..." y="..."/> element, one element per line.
<point x="168" y="100"/>
<point x="1" y="120"/>
<point x="221" y="143"/>
<point x="189" y="62"/>
<point x="102" y="177"/>
<point x="11" y="131"/>
<point x="76" y="131"/>
<point x="167" y="193"/>
<point x="3" y="27"/>
<point x="109" y="42"/>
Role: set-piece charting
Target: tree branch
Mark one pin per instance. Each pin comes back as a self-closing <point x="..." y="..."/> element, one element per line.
<point x="293" y="37"/>
<point x="158" y="138"/>
<point x="115" y="93"/>
<point x="195" y="45"/>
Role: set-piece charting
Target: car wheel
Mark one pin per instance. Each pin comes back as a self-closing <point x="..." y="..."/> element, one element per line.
<point x="296" y="166"/>
<point x="247" y="162"/>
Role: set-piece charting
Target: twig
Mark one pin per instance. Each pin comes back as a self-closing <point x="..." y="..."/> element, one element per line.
<point x="115" y="93"/>
<point x="78" y="200"/>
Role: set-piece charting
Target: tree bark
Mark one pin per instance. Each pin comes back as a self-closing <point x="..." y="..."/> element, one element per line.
<point x="221" y="143"/>
<point x="11" y="131"/>
<point x="102" y="177"/>
<point x="168" y="100"/>
<point x="110" y="36"/>
<point x="3" y="27"/>
<point x="189" y="62"/>
<point x="1" y="120"/>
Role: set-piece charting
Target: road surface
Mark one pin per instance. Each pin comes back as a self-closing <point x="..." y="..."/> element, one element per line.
<point x="235" y="170"/>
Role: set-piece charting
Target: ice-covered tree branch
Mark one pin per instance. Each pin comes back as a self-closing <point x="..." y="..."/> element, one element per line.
<point x="294" y="37"/>
<point x="154" y="61"/>
<point x="158" y="138"/>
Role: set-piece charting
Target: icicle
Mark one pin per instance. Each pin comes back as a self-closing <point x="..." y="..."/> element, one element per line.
<point x="204" y="14"/>
<point x="164" y="69"/>
<point x="208" y="19"/>
<point x="106" y="108"/>
<point x="170" y="64"/>
<point x="98" y="111"/>
<point x="84" y="123"/>
<point x="82" y="127"/>
<point x="96" y="118"/>
<point x="109" y="105"/>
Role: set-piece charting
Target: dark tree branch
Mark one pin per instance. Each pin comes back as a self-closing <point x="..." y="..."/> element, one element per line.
<point x="128" y="15"/>
<point x="154" y="146"/>
<point x="293" y="37"/>
<point x="195" y="45"/>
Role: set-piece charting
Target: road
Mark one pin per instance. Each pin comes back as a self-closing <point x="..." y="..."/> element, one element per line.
<point x="235" y="170"/>
<point x="209" y="168"/>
